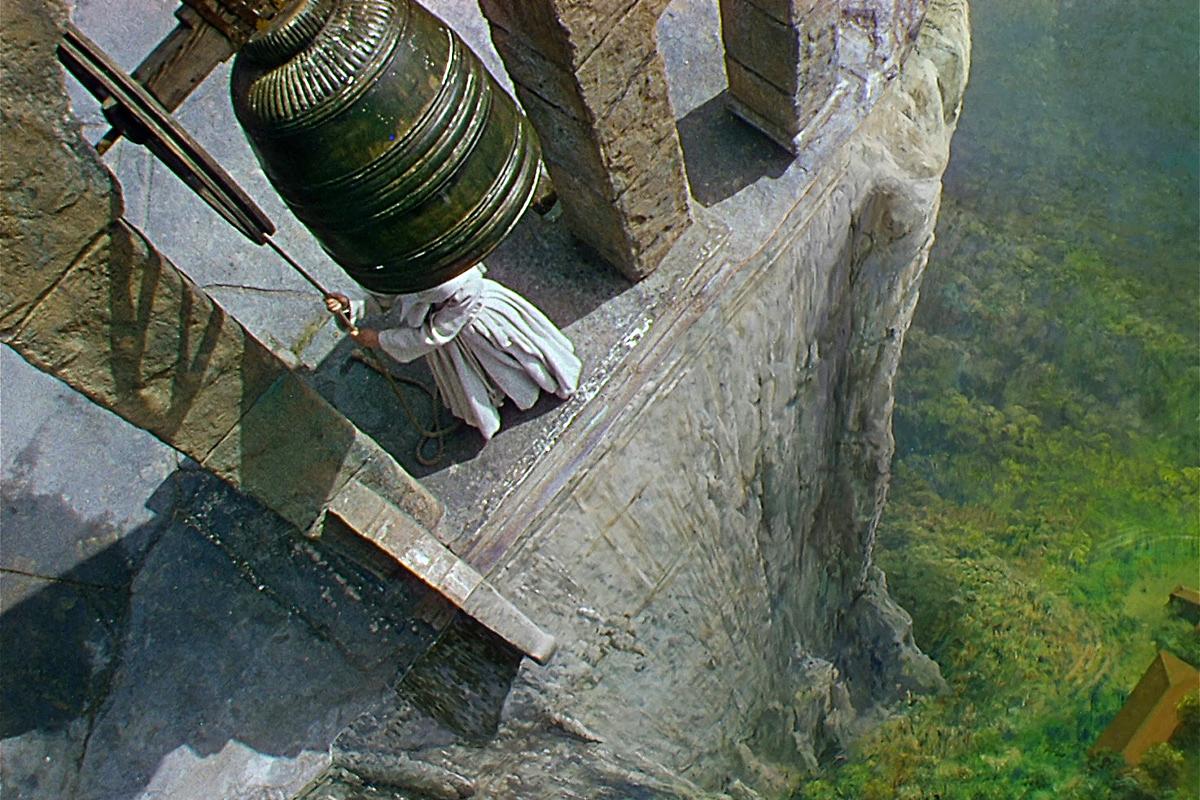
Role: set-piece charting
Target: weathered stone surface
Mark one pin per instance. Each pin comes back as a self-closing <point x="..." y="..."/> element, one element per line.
<point x="577" y="149"/>
<point x="593" y="83"/>
<point x="51" y="209"/>
<point x="703" y="546"/>
<point x="769" y="46"/>
<point x="786" y="11"/>
<point x="291" y="450"/>
<point x="492" y="609"/>
<point x="627" y="52"/>
<point x="375" y="519"/>
<point x="186" y="656"/>
<point x="749" y="92"/>
<point x="634" y="143"/>
<point x="534" y="23"/>
<point x="134" y="334"/>
<point x="567" y="31"/>
<point x="186" y="714"/>
<point x="782" y="64"/>
<point x="550" y="82"/>
<point x="294" y="452"/>
<point x="56" y="444"/>
<point x="384" y="476"/>
<point x="880" y="648"/>
<point x="365" y="607"/>
<point x="881" y="33"/>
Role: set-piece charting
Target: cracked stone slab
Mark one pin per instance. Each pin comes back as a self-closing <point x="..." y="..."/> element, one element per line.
<point x="219" y="692"/>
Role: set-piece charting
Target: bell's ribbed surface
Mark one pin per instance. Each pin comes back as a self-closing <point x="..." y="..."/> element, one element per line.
<point x="387" y="137"/>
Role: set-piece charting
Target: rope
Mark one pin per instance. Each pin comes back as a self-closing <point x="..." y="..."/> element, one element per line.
<point x="435" y="435"/>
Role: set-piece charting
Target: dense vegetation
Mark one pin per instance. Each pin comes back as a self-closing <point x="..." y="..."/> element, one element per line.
<point x="1047" y="489"/>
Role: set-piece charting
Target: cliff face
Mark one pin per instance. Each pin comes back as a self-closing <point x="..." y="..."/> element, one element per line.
<point x="702" y="548"/>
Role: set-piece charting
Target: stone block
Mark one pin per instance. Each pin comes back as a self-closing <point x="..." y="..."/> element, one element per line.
<point x="566" y="31"/>
<point x="383" y="475"/>
<point x="393" y="531"/>
<point x="592" y="217"/>
<point x="627" y="54"/>
<point x="593" y="24"/>
<point x="653" y="208"/>
<point x="534" y="23"/>
<point x="568" y="144"/>
<point x="789" y="11"/>
<point x="781" y="73"/>
<point x="762" y="43"/>
<point x="594" y="86"/>
<point x="373" y="518"/>
<point x="426" y="558"/>
<point x="292" y="451"/>
<point x="494" y="611"/>
<point x="880" y="32"/>
<point x="358" y="506"/>
<point x="51" y="209"/>
<point x="765" y="99"/>
<point x="133" y="333"/>
<point x="633" y="232"/>
<point x="551" y="82"/>
<point x="643" y="153"/>
<point x="780" y="116"/>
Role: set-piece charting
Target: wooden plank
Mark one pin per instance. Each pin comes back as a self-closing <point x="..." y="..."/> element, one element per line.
<point x="183" y="59"/>
<point x="178" y="64"/>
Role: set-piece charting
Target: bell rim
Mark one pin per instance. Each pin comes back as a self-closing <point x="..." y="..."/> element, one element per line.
<point x="488" y="241"/>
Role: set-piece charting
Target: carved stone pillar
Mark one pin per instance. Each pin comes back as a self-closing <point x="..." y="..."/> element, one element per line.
<point x="591" y="80"/>
<point x="781" y="59"/>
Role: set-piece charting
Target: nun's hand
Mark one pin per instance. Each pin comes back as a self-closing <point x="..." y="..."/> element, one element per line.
<point x="367" y="337"/>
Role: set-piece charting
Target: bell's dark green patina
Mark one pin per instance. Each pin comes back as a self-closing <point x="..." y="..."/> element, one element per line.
<point x="387" y="137"/>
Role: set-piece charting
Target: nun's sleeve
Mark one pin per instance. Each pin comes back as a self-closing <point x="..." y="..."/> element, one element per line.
<point x="440" y="326"/>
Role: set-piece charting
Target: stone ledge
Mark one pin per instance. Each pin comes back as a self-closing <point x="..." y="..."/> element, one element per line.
<point x="373" y="518"/>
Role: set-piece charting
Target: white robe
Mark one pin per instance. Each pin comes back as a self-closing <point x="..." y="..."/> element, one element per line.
<point x="483" y="342"/>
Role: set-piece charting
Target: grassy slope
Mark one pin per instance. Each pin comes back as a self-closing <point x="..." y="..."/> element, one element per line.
<point x="1047" y="492"/>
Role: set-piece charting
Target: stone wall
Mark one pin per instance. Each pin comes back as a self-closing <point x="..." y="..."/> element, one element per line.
<point x="702" y="548"/>
<point x="592" y="81"/>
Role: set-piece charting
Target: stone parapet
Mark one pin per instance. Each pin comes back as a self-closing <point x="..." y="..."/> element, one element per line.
<point x="790" y="62"/>
<point x="133" y="333"/>
<point x="411" y="544"/>
<point x="74" y="190"/>
<point x="879" y="34"/>
<point x="593" y="83"/>
<point x="781" y="59"/>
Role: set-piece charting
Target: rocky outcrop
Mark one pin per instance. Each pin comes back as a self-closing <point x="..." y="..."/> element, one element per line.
<point x="701" y="542"/>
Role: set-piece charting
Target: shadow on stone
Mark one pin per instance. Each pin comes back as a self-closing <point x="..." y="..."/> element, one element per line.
<point x="191" y="655"/>
<point x="541" y="261"/>
<point x="397" y="423"/>
<point x="59" y="633"/>
<point x="464" y="679"/>
<point x="723" y="154"/>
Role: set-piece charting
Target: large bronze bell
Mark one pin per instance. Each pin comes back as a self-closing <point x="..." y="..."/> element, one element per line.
<point x="387" y="137"/>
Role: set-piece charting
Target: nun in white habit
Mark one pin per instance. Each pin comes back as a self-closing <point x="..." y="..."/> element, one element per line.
<point x="483" y="342"/>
